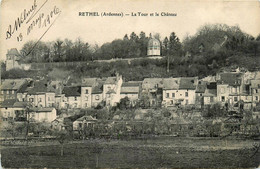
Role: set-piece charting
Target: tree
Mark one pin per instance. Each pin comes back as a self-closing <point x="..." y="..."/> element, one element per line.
<point x="165" y="47"/>
<point x="58" y="51"/>
<point x="126" y="37"/>
<point x="174" y="45"/>
<point x="124" y="103"/>
<point x="62" y="136"/>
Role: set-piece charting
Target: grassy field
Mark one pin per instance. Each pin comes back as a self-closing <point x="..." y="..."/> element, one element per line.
<point x="151" y="153"/>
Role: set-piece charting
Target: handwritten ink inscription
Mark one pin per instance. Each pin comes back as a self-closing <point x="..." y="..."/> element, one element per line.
<point x="28" y="17"/>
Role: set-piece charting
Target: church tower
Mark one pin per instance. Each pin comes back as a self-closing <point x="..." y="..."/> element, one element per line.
<point x="154" y="47"/>
<point x="12" y="58"/>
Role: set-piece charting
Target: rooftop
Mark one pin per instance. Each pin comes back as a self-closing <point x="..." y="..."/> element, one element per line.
<point x="13" y="51"/>
<point x="72" y="91"/>
<point x="13" y="84"/>
<point x="38" y="87"/>
<point x="41" y="109"/>
<point x="230" y="79"/>
<point x="87" y="118"/>
<point x="89" y="82"/>
<point x="188" y="83"/>
<point x="171" y="83"/>
<point x="8" y="103"/>
<point x="151" y="83"/>
<point x="111" y="80"/>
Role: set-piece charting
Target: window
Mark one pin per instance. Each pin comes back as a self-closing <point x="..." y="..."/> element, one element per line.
<point x="223" y="98"/>
<point x="187" y="102"/>
<point x="167" y="95"/>
<point x="75" y="98"/>
<point x="200" y="94"/>
<point x="171" y="101"/>
<point x="235" y="99"/>
<point x="211" y="99"/>
<point x="256" y="91"/>
<point x="86" y="92"/>
<point x="173" y="95"/>
<point x="40" y="99"/>
<point x="222" y="90"/>
<point x="97" y="97"/>
<point x="86" y="104"/>
<point x="186" y="94"/>
<point x="256" y="98"/>
<point x="86" y="98"/>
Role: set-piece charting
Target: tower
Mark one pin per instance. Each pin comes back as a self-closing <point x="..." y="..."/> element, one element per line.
<point x="12" y="58"/>
<point x="154" y="47"/>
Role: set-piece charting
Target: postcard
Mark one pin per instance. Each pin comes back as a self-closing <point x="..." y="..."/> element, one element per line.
<point x="130" y="84"/>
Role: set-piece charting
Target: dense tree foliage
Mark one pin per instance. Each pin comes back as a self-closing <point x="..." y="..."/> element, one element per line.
<point x="209" y="50"/>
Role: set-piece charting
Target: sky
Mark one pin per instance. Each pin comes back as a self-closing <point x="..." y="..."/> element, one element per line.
<point x="59" y="19"/>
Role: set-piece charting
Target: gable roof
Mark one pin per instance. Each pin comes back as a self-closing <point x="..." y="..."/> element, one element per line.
<point x="111" y="80"/>
<point x="41" y="109"/>
<point x="71" y="91"/>
<point x="13" y="51"/>
<point x="230" y="79"/>
<point x="171" y="83"/>
<point x="201" y="87"/>
<point x="89" y="82"/>
<point x="21" y="104"/>
<point x="39" y="87"/>
<point x="151" y="83"/>
<point x="13" y="84"/>
<point x="131" y="84"/>
<point x="128" y="88"/>
<point x="8" y="103"/>
<point x="97" y="89"/>
<point x="87" y="118"/>
<point x="111" y="91"/>
<point x="188" y="83"/>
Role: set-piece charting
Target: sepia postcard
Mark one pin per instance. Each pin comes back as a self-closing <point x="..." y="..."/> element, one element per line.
<point x="130" y="84"/>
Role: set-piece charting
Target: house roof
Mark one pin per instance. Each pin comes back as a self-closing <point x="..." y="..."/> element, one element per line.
<point x="188" y="83"/>
<point x="21" y="104"/>
<point x="111" y="80"/>
<point x="111" y="91"/>
<point x="255" y="84"/>
<point x="171" y="83"/>
<point x="129" y="90"/>
<point x="97" y="89"/>
<point x="151" y="83"/>
<point x="131" y="84"/>
<point x="201" y="87"/>
<point x="13" y="51"/>
<point x="8" y="103"/>
<point x="39" y="87"/>
<point x="87" y="118"/>
<point x="230" y="79"/>
<point x="210" y="92"/>
<point x="130" y="87"/>
<point x="72" y="91"/>
<point x="89" y="82"/>
<point x="13" y="84"/>
<point x="41" y="109"/>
